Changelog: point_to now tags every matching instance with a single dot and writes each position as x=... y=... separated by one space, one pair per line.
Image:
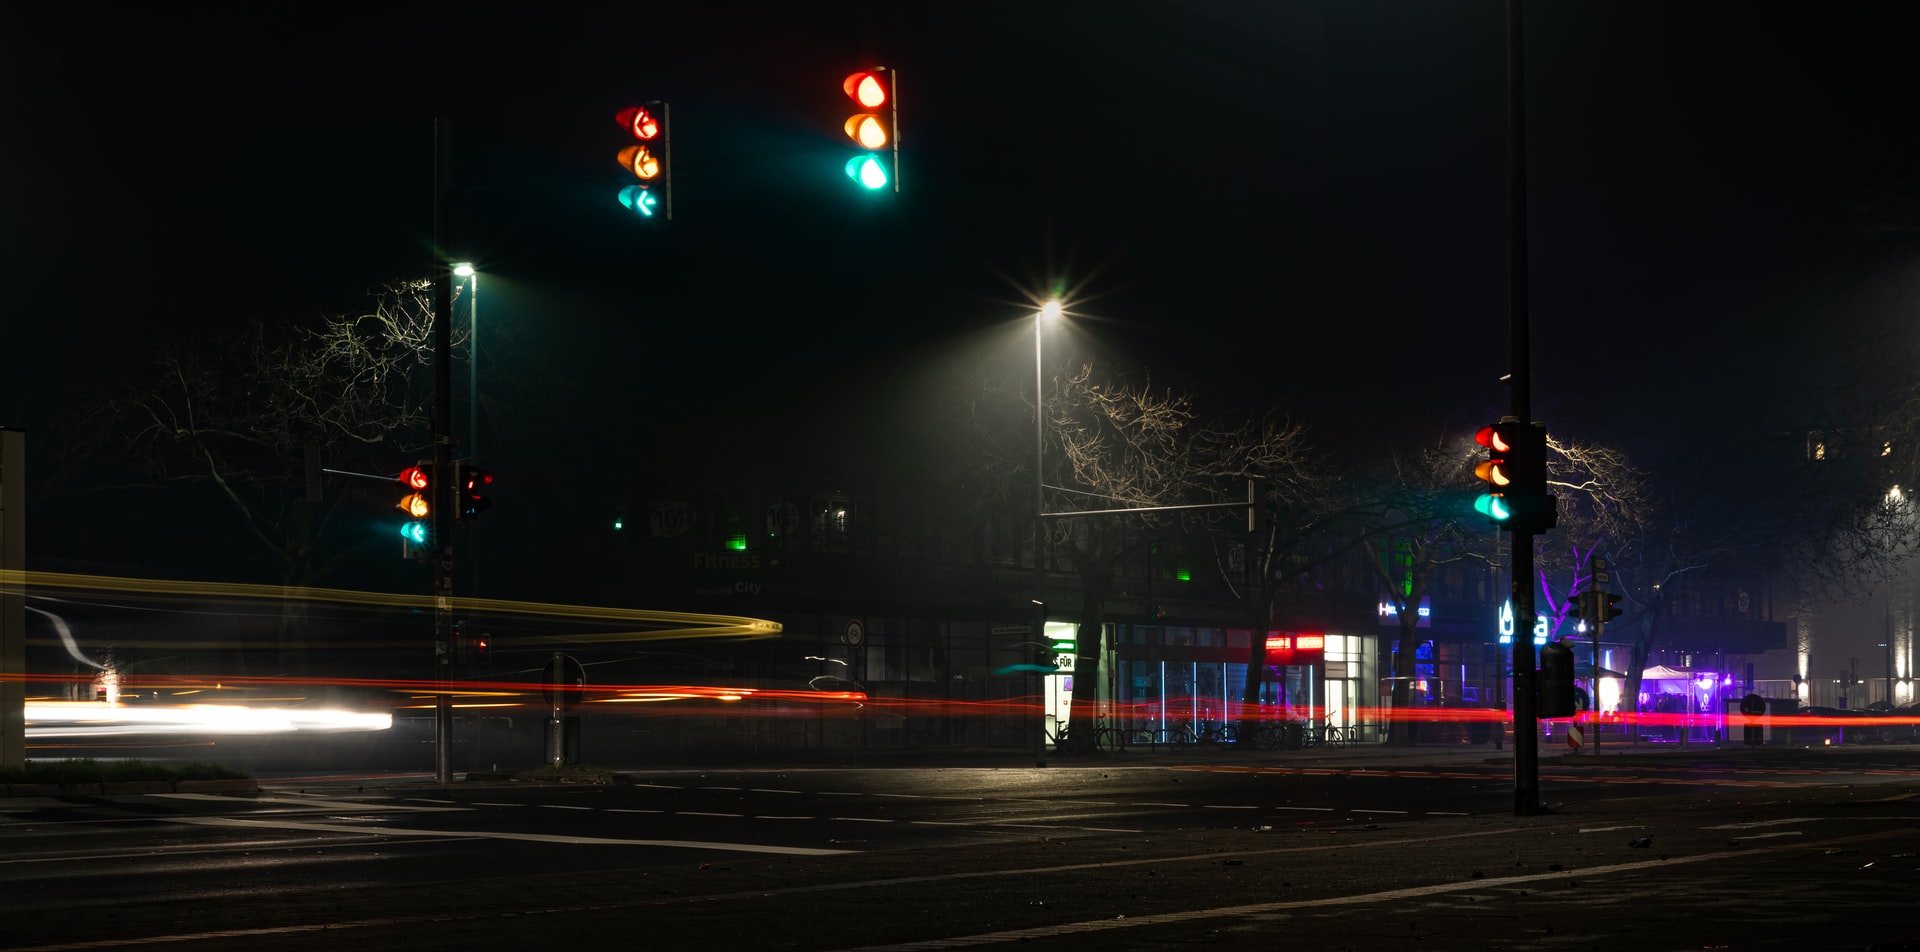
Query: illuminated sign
x=1296 y=649
x=1391 y=612
x=1540 y=627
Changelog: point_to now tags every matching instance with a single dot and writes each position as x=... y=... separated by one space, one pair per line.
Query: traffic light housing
x=1554 y=689
x=470 y=491
x=875 y=128
x=1533 y=509
x=648 y=158
x=1606 y=606
x=416 y=484
x=1515 y=472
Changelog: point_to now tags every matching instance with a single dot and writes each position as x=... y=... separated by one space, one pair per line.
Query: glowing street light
x=1048 y=313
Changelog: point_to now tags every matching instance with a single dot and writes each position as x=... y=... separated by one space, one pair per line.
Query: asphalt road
x=1370 y=849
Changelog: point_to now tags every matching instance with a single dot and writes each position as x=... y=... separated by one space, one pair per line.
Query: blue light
x=414 y=532
x=639 y=198
x=868 y=171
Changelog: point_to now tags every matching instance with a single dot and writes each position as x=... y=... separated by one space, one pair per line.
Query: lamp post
x=465 y=270
x=1048 y=312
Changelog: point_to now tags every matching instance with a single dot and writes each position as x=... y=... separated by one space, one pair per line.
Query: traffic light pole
x=1526 y=725
x=442 y=489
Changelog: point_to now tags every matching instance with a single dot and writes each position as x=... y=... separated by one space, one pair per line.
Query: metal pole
x=473 y=366
x=441 y=492
x=473 y=436
x=1039 y=568
x=13 y=598
x=1526 y=726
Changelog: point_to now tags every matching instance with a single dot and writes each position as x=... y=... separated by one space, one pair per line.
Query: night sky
x=1300 y=206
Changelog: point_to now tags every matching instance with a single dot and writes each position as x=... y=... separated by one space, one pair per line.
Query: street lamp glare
x=1050 y=310
x=463 y=270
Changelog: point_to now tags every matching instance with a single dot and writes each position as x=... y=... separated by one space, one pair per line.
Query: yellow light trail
x=681 y=624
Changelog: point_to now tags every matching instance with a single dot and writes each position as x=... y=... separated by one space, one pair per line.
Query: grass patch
x=88 y=770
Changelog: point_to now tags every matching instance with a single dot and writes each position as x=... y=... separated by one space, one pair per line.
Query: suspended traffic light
x=648 y=157
x=470 y=484
x=1496 y=471
x=875 y=128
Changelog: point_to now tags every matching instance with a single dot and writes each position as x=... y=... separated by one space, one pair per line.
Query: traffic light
x=1497 y=471
x=1554 y=690
x=647 y=157
x=1607 y=606
x=470 y=484
x=416 y=482
x=875 y=128
x=1515 y=471
x=1533 y=510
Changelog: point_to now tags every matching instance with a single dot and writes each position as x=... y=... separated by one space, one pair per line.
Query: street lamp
x=1048 y=313
x=465 y=270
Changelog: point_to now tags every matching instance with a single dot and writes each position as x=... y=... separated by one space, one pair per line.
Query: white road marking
x=281 y=824
x=339 y=806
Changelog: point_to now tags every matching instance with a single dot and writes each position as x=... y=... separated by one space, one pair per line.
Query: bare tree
x=1127 y=446
x=1109 y=444
x=254 y=416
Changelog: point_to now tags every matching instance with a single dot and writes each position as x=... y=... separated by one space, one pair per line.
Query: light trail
x=679 y=624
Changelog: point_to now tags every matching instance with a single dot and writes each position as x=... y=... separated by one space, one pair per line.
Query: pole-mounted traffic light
x=875 y=128
x=470 y=485
x=416 y=482
x=1533 y=510
x=1607 y=607
x=1515 y=472
x=649 y=158
x=1555 y=688
x=1497 y=471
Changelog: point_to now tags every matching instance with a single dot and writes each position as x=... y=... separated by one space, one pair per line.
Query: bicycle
x=1198 y=733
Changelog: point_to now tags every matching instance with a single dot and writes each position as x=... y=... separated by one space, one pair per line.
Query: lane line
x=237 y=823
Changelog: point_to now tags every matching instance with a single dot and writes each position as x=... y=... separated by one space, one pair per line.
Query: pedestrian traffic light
x=874 y=128
x=470 y=485
x=1554 y=690
x=648 y=157
x=1496 y=470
